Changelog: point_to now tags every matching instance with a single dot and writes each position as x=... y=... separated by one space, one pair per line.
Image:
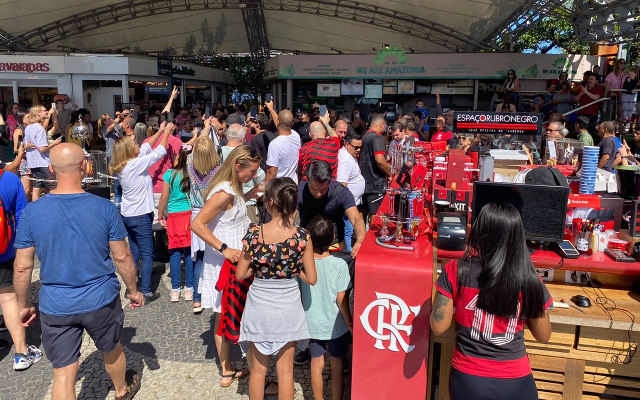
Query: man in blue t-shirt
x=13 y=202
x=72 y=232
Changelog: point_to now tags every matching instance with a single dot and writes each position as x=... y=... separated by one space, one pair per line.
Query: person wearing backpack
x=12 y=201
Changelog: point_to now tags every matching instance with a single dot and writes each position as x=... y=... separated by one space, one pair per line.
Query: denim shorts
x=338 y=347
x=62 y=334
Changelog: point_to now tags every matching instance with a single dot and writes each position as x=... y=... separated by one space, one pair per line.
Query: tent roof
x=190 y=27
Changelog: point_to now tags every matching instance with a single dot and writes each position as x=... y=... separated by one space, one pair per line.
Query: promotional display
x=477 y=122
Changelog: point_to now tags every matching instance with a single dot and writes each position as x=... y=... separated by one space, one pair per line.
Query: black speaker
x=634 y=221
x=103 y=192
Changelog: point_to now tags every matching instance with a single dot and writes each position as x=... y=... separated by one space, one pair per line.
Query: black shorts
x=40 y=173
x=372 y=202
x=6 y=273
x=464 y=386
x=62 y=335
x=338 y=347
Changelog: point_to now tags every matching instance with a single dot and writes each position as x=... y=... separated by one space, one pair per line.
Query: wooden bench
x=558 y=378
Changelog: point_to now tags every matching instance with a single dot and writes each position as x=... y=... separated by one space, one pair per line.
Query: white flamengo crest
x=399 y=314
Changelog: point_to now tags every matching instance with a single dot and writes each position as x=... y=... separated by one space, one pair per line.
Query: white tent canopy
x=190 y=27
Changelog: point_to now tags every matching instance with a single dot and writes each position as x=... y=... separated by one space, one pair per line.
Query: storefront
x=468 y=81
x=105 y=83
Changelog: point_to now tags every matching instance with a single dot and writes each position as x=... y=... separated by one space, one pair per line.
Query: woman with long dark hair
x=511 y=87
x=175 y=201
x=495 y=291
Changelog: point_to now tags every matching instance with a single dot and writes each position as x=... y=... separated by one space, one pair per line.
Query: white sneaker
x=24 y=361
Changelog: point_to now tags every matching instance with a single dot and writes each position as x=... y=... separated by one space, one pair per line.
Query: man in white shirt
x=397 y=130
x=282 y=156
x=349 y=175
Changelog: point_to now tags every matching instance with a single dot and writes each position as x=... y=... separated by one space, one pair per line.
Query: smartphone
x=357 y=114
x=53 y=105
x=565 y=249
x=207 y=109
x=323 y=110
x=267 y=98
x=254 y=111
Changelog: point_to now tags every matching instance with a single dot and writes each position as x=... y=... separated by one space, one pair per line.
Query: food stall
x=591 y=353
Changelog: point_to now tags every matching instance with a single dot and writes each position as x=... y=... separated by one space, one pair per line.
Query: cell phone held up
x=323 y=110
x=167 y=117
x=268 y=98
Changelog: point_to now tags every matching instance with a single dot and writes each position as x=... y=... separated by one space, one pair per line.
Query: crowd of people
x=267 y=212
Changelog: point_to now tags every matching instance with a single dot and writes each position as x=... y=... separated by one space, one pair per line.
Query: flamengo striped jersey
x=486 y=345
x=320 y=149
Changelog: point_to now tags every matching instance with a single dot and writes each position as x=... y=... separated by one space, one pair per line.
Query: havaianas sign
x=390 y=56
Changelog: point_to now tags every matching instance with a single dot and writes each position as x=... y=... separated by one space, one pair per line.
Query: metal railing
x=600 y=100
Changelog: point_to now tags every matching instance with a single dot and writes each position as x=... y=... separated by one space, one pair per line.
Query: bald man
x=320 y=147
x=283 y=152
x=79 y=288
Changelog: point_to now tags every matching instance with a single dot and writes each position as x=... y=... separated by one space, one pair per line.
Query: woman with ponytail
x=275 y=254
x=221 y=224
x=495 y=291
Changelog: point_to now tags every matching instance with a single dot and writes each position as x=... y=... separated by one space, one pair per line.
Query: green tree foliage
x=552 y=32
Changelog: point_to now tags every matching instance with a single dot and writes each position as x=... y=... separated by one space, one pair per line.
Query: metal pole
x=15 y=92
x=475 y=94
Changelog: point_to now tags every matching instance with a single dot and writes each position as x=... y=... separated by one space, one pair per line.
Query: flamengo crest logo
x=389 y=331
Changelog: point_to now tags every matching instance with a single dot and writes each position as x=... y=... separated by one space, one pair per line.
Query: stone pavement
x=171 y=348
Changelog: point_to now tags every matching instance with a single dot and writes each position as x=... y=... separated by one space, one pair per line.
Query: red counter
x=392 y=306
x=598 y=262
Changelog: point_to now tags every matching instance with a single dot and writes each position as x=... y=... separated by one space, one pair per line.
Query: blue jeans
x=174 y=267
x=117 y=193
x=348 y=232
x=141 y=245
x=197 y=270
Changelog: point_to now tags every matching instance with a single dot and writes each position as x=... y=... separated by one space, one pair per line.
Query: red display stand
x=392 y=307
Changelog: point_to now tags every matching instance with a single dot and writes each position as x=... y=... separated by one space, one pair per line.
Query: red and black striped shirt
x=320 y=149
x=486 y=345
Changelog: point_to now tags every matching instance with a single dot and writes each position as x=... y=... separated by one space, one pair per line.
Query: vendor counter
x=392 y=306
x=591 y=352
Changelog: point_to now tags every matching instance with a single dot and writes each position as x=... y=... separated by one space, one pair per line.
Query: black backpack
x=546 y=176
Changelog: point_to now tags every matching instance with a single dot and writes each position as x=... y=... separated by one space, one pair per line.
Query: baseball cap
x=300 y=111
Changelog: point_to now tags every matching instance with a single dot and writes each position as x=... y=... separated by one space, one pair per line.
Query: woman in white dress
x=221 y=224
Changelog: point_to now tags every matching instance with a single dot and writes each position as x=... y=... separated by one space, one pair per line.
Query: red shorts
x=178 y=229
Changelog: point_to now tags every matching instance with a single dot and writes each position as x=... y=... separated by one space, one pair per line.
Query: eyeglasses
x=354 y=147
x=553 y=130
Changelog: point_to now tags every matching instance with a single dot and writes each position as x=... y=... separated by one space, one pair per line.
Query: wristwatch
x=223 y=247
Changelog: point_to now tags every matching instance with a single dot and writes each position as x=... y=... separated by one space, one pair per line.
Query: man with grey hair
x=235 y=138
x=128 y=126
x=320 y=147
x=235 y=135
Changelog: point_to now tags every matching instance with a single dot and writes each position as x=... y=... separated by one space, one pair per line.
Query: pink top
x=616 y=82
x=158 y=169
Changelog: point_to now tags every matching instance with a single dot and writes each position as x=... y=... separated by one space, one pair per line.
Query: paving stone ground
x=171 y=348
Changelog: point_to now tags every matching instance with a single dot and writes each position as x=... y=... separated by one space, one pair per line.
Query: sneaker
x=175 y=295
x=188 y=294
x=302 y=357
x=151 y=296
x=24 y=361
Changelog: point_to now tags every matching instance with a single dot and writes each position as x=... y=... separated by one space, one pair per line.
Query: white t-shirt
x=283 y=153
x=184 y=134
x=36 y=134
x=349 y=173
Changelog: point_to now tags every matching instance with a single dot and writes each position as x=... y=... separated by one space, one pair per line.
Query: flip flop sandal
x=133 y=385
x=234 y=377
x=267 y=384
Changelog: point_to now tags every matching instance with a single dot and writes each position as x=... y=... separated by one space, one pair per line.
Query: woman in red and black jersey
x=495 y=291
